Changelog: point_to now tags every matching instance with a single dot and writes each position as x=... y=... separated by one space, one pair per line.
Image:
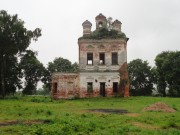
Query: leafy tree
x=161 y=84
x=168 y=72
x=60 y=65
x=12 y=75
x=32 y=71
x=141 y=78
x=14 y=39
x=75 y=67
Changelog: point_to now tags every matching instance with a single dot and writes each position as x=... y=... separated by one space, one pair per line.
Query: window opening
x=89 y=58
x=89 y=87
x=114 y=59
x=101 y=58
x=100 y=25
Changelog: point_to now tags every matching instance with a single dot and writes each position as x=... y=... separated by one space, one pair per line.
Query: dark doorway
x=102 y=89
x=115 y=87
x=55 y=87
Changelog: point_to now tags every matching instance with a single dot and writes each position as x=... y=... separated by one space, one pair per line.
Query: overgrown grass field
x=36 y=115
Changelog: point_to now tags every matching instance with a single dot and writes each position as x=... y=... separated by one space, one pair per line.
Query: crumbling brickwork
x=65 y=85
x=102 y=65
x=124 y=81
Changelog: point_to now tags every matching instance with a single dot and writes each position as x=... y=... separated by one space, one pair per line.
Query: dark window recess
x=90 y=58
x=114 y=59
x=101 y=58
x=55 y=87
x=115 y=87
x=89 y=87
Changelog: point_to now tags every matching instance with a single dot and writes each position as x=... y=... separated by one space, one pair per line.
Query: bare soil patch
x=31 y=122
x=159 y=106
x=28 y=122
x=8 y=123
x=119 y=111
x=146 y=126
x=133 y=114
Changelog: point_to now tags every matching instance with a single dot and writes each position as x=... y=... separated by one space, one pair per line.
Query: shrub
x=49 y=112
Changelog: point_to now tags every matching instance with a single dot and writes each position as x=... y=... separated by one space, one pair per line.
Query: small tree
x=109 y=23
x=32 y=71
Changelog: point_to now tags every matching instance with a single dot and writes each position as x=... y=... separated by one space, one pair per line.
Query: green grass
x=73 y=116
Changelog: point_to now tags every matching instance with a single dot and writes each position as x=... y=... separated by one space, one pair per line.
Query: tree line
x=20 y=68
x=162 y=79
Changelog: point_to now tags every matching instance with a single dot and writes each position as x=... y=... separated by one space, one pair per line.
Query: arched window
x=100 y=24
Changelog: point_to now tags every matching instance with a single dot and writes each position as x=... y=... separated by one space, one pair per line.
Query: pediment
x=90 y=47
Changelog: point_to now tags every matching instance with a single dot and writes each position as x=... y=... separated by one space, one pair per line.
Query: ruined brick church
x=102 y=64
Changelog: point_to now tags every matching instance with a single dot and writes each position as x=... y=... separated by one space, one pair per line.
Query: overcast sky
x=153 y=26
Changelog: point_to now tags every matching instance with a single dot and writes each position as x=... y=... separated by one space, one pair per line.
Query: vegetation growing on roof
x=103 y=33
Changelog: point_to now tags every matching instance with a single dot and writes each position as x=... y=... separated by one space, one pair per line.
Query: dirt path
x=27 y=122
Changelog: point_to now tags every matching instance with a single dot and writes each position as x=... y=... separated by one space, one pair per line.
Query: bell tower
x=100 y=21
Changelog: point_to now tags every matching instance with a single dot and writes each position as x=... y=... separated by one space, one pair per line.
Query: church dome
x=86 y=23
